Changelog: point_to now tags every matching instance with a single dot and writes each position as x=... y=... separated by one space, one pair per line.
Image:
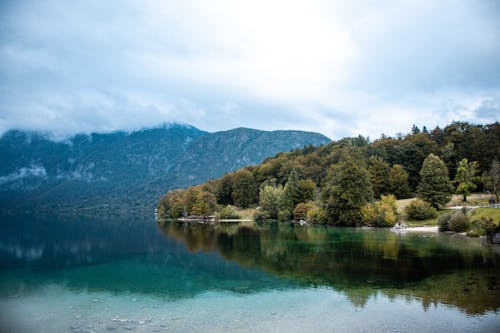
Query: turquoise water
x=122 y=275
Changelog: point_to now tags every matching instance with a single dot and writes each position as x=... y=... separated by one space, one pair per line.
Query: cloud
x=331 y=66
x=25 y=172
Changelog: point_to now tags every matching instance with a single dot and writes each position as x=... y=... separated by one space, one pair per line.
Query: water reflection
x=117 y=255
x=429 y=268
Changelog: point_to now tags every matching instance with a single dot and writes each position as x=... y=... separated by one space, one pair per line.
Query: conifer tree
x=379 y=175
x=435 y=186
x=348 y=192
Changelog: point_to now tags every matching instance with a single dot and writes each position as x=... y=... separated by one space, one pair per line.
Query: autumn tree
x=435 y=186
x=205 y=204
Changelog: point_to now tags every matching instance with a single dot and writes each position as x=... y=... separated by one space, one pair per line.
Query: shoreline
x=424 y=229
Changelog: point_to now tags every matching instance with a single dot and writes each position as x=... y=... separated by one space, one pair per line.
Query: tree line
x=353 y=180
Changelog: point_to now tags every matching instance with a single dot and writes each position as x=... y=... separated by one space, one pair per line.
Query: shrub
x=316 y=215
x=261 y=215
x=459 y=222
x=300 y=212
x=420 y=210
x=284 y=215
x=489 y=227
x=229 y=212
x=443 y=222
x=382 y=213
x=473 y=233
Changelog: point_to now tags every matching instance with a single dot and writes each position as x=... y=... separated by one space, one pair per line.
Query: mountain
x=123 y=172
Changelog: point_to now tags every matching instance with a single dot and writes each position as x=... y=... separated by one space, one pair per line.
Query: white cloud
x=332 y=66
x=25 y=172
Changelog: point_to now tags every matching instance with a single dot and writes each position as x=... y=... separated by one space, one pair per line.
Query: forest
x=353 y=181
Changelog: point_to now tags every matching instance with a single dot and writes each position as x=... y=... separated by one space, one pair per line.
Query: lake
x=82 y=274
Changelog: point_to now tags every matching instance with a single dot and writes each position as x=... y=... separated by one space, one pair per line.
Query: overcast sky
x=340 y=68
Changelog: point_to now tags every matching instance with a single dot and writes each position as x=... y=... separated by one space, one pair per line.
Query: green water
x=121 y=275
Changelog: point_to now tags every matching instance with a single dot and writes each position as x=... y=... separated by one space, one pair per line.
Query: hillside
x=338 y=182
x=123 y=172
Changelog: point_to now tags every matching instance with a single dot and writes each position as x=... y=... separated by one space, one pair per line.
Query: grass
x=429 y=222
x=478 y=213
x=247 y=213
x=472 y=200
x=403 y=203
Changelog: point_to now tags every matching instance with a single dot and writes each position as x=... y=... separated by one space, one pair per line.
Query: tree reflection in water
x=428 y=268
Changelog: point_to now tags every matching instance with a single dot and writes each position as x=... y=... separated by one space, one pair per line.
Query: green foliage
x=413 y=160
x=301 y=210
x=292 y=190
x=229 y=213
x=379 y=175
x=443 y=222
x=316 y=215
x=489 y=227
x=492 y=178
x=382 y=213
x=459 y=222
x=420 y=210
x=466 y=177
x=272 y=200
x=225 y=190
x=205 y=204
x=261 y=215
x=244 y=192
x=347 y=193
x=284 y=215
x=307 y=190
x=398 y=182
x=435 y=186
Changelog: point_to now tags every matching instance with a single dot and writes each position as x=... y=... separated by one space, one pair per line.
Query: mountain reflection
x=428 y=268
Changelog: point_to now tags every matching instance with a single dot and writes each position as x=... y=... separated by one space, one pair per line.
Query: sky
x=341 y=68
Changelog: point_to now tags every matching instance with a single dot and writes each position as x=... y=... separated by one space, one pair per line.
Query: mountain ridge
x=123 y=171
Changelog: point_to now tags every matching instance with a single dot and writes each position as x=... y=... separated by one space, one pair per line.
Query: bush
x=261 y=215
x=489 y=227
x=443 y=222
x=459 y=222
x=382 y=213
x=301 y=210
x=316 y=215
x=284 y=215
x=229 y=212
x=420 y=210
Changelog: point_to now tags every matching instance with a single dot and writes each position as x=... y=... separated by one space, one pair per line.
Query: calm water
x=96 y=275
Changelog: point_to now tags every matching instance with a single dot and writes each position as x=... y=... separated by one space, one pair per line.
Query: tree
x=224 y=190
x=379 y=175
x=435 y=186
x=347 y=193
x=244 y=189
x=205 y=204
x=398 y=182
x=465 y=177
x=301 y=210
x=271 y=199
x=382 y=213
x=307 y=190
x=493 y=178
x=292 y=190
